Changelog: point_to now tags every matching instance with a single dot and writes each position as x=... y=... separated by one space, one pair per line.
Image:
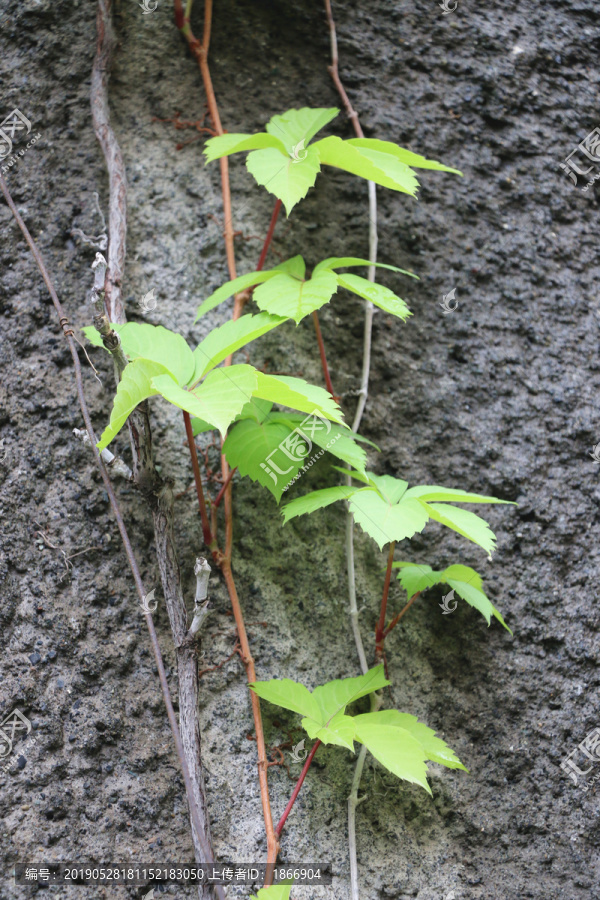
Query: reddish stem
x=206 y=530
x=269 y=237
x=397 y=618
x=324 y=365
x=296 y=790
x=380 y=632
x=219 y=496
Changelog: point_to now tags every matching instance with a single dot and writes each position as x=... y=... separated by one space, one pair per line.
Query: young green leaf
x=430 y=493
x=286 y=296
x=339 y=262
x=275 y=892
x=465 y=522
x=255 y=409
x=287 y=178
x=335 y=696
x=310 y=503
x=220 y=397
x=394 y=748
x=463 y=580
x=290 y=695
x=378 y=294
x=414 y=160
x=152 y=342
x=300 y=125
x=227 y=290
x=390 y=172
x=435 y=748
x=226 y=144
x=134 y=387
x=221 y=342
x=339 y=730
x=385 y=521
x=297 y=394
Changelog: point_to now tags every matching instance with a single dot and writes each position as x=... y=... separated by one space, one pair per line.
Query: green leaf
x=392 y=489
x=275 y=892
x=287 y=178
x=199 y=426
x=254 y=447
x=335 y=696
x=435 y=748
x=338 y=731
x=255 y=409
x=221 y=342
x=297 y=394
x=430 y=492
x=226 y=144
x=338 y=262
x=286 y=296
x=395 y=748
x=385 y=522
x=338 y=441
x=230 y=288
x=153 y=342
x=134 y=387
x=414 y=160
x=300 y=125
x=464 y=522
x=464 y=581
x=341 y=154
x=378 y=294
x=295 y=266
x=218 y=400
x=315 y=500
x=290 y=695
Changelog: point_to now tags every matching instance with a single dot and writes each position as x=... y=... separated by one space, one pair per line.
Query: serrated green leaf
x=395 y=748
x=414 y=160
x=286 y=296
x=218 y=400
x=339 y=262
x=290 y=695
x=297 y=394
x=227 y=290
x=295 y=267
x=255 y=449
x=93 y=335
x=465 y=522
x=300 y=125
x=339 y=731
x=275 y=892
x=435 y=748
x=335 y=696
x=153 y=342
x=221 y=342
x=392 y=489
x=385 y=522
x=287 y=178
x=226 y=144
x=315 y=500
x=378 y=294
x=134 y=387
x=464 y=580
x=430 y=493
x=333 y=151
x=255 y=409
x=199 y=426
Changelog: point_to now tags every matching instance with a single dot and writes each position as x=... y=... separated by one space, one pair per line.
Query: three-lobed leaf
x=463 y=580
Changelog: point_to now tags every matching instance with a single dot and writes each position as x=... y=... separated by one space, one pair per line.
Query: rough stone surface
x=499 y=397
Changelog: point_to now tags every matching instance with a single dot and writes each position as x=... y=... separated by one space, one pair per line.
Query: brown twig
x=324 y=365
x=114 y=162
x=200 y=53
x=296 y=791
x=200 y=832
x=404 y=610
x=380 y=631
